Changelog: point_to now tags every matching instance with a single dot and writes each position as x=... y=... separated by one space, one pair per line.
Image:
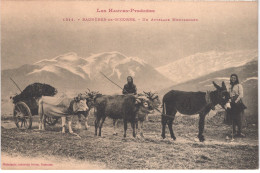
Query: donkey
x=191 y=103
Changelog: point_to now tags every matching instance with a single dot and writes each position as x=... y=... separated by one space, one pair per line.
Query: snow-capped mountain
x=200 y=64
x=88 y=68
x=69 y=71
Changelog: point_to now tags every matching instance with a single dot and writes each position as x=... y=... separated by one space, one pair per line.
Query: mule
x=190 y=103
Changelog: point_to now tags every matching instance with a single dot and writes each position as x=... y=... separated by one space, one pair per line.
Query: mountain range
x=201 y=64
x=70 y=72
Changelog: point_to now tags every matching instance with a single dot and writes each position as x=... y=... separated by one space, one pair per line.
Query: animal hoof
x=174 y=138
x=240 y=135
x=163 y=136
x=78 y=126
x=201 y=138
x=115 y=134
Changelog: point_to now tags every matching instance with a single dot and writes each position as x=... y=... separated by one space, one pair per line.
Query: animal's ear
x=137 y=101
x=156 y=97
x=215 y=85
x=224 y=85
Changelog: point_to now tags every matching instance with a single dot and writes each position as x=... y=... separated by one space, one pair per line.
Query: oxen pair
x=130 y=108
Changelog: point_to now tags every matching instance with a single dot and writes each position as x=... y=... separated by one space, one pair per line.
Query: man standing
x=130 y=87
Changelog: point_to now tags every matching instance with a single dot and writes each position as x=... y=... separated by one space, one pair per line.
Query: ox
x=142 y=113
x=118 y=107
x=60 y=107
x=90 y=97
x=191 y=103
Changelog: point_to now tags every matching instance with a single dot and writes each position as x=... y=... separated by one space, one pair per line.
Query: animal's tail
x=41 y=114
x=164 y=108
x=40 y=108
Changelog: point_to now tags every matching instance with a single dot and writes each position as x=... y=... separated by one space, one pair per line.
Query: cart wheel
x=22 y=116
x=51 y=120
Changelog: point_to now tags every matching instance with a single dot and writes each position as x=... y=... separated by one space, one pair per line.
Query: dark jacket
x=129 y=89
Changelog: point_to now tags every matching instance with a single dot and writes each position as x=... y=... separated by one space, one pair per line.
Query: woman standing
x=237 y=106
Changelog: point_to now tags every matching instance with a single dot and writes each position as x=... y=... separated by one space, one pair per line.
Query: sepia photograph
x=129 y=85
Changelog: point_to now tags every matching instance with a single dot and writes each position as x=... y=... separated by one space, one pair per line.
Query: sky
x=31 y=31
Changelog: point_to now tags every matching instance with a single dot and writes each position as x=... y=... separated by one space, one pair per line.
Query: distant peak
x=67 y=56
x=108 y=53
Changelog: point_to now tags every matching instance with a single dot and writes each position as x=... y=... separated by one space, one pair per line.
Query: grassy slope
x=150 y=152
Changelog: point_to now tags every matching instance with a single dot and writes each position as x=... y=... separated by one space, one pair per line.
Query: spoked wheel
x=51 y=120
x=22 y=116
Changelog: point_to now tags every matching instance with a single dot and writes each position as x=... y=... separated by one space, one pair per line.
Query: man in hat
x=130 y=87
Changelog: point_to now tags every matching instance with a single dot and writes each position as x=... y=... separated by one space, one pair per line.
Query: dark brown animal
x=191 y=103
x=118 y=107
x=142 y=113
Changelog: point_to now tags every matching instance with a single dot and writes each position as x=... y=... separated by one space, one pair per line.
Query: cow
x=191 y=103
x=90 y=97
x=118 y=107
x=63 y=107
x=142 y=113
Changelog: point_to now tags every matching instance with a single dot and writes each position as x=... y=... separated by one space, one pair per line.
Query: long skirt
x=236 y=116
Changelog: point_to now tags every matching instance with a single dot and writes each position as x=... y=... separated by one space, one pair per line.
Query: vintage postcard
x=139 y=85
